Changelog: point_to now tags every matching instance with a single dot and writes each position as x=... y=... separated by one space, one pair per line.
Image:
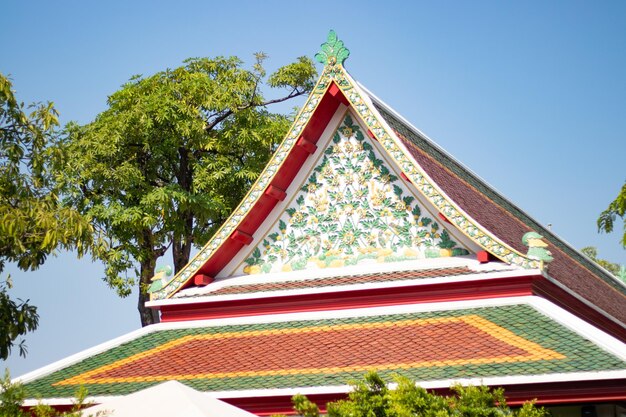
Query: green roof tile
x=581 y=355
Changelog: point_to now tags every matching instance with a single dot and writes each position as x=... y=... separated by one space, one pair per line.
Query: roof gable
x=352 y=207
x=334 y=88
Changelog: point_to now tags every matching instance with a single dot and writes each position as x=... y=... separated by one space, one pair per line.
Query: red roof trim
x=426 y=293
x=348 y=299
x=282 y=179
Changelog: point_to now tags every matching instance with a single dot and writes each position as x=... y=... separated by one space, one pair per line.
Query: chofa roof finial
x=333 y=52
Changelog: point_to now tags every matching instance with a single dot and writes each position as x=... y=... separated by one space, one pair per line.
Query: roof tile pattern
x=389 y=344
x=341 y=281
x=506 y=221
x=510 y=340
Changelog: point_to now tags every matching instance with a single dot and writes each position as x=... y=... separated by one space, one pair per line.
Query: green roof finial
x=537 y=248
x=333 y=52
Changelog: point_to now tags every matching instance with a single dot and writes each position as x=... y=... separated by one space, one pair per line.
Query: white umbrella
x=169 y=399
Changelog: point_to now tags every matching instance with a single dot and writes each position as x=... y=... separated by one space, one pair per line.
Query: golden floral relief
x=351 y=210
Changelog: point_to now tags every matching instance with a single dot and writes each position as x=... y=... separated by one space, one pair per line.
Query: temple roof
x=525 y=337
x=346 y=138
x=363 y=245
x=505 y=219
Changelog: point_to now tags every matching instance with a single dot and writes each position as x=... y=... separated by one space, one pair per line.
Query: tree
x=33 y=222
x=371 y=397
x=17 y=318
x=615 y=209
x=592 y=253
x=170 y=158
x=616 y=269
x=12 y=396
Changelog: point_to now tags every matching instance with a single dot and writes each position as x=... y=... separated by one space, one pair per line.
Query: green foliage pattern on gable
x=352 y=209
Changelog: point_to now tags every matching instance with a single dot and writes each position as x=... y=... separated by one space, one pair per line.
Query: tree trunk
x=181 y=252
x=148 y=316
x=181 y=244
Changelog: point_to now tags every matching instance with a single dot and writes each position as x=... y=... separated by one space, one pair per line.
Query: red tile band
x=324 y=349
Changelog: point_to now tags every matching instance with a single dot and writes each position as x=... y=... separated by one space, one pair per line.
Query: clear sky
x=530 y=95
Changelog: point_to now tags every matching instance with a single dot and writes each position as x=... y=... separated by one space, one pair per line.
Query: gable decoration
x=336 y=80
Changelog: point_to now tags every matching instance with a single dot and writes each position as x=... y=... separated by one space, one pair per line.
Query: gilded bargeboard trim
x=337 y=74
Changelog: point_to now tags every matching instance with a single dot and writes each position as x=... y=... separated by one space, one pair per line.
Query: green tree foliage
x=616 y=269
x=371 y=397
x=17 y=318
x=12 y=396
x=33 y=223
x=170 y=159
x=617 y=208
x=592 y=253
x=77 y=409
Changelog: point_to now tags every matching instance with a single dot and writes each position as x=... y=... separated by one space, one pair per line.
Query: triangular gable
x=350 y=206
x=334 y=88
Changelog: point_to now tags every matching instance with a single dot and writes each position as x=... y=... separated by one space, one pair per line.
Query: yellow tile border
x=534 y=352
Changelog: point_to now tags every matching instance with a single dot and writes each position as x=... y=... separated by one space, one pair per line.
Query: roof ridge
x=526 y=218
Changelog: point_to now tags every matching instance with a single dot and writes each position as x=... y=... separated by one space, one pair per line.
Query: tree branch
x=294 y=93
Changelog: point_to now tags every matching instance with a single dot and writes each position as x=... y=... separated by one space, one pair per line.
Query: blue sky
x=530 y=95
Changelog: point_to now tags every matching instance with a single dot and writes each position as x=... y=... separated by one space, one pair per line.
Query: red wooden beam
x=335 y=92
x=404 y=177
x=281 y=404
x=275 y=192
x=483 y=256
x=340 y=300
x=443 y=218
x=202 y=280
x=371 y=135
x=241 y=237
x=307 y=145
